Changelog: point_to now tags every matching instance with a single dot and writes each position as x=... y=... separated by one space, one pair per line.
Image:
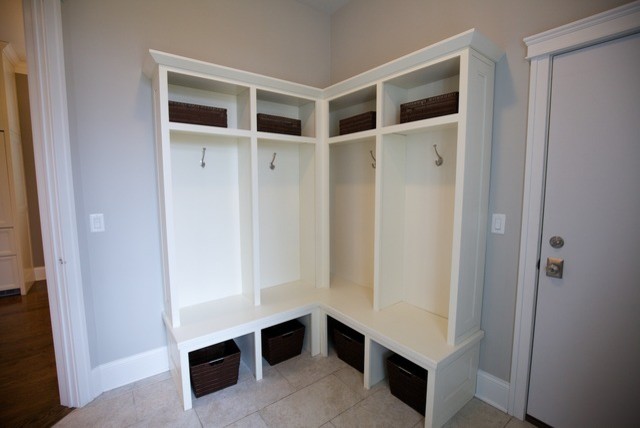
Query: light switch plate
x=497 y=223
x=96 y=222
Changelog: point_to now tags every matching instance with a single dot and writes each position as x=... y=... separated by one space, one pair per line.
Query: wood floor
x=28 y=382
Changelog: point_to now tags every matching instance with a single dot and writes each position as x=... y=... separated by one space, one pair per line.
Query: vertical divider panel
x=315 y=331
x=257 y=354
x=248 y=345
x=163 y=160
x=323 y=256
x=308 y=117
x=255 y=206
x=323 y=335
x=245 y=184
x=308 y=213
x=244 y=108
x=474 y=190
x=377 y=220
x=375 y=368
x=458 y=209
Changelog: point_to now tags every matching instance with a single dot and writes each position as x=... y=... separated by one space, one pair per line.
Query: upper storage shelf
x=442 y=77
x=289 y=106
x=205 y=91
x=241 y=94
x=350 y=105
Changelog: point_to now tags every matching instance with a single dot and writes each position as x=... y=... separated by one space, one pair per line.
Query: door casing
x=541 y=48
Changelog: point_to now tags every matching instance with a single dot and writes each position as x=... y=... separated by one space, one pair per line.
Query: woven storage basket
x=349 y=345
x=408 y=382
x=283 y=341
x=357 y=123
x=426 y=108
x=279 y=124
x=214 y=367
x=197 y=114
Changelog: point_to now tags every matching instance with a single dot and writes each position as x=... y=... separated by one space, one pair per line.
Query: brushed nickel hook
x=374 y=159
x=202 y=163
x=439 y=161
x=272 y=164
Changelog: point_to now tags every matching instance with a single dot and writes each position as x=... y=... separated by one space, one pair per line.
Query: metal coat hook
x=374 y=159
x=439 y=161
x=202 y=163
x=272 y=164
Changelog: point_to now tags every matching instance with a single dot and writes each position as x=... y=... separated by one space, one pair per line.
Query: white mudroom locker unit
x=382 y=229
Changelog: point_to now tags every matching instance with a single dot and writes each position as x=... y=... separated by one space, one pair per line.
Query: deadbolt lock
x=554 y=267
x=556 y=242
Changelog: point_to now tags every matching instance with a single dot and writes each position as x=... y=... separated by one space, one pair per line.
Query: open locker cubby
x=285 y=105
x=210 y=178
x=287 y=213
x=352 y=210
x=426 y=81
x=343 y=107
x=197 y=89
x=417 y=206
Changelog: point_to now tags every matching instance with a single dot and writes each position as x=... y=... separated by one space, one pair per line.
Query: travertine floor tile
x=302 y=392
x=517 y=423
x=304 y=369
x=355 y=380
x=380 y=409
x=252 y=421
x=312 y=406
x=477 y=414
x=115 y=412
x=234 y=403
x=158 y=400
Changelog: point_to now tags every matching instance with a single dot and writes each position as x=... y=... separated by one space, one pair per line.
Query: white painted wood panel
x=280 y=208
x=352 y=205
x=429 y=198
x=9 y=273
x=7 y=242
x=206 y=207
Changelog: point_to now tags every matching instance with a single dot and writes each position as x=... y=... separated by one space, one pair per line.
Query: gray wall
x=112 y=131
x=111 y=126
x=367 y=33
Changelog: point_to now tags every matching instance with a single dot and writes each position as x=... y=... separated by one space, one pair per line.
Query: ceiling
x=326 y=6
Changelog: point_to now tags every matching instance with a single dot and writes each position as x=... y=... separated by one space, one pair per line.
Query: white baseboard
x=492 y=390
x=39 y=273
x=131 y=369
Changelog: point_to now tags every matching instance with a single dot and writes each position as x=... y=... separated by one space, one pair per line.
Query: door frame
x=56 y=197
x=541 y=49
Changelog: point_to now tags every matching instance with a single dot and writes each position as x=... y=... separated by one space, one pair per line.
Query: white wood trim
x=131 y=369
x=492 y=390
x=47 y=88
x=470 y=38
x=542 y=47
x=39 y=273
x=598 y=28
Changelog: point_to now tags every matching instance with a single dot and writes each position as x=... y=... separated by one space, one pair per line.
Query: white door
x=585 y=364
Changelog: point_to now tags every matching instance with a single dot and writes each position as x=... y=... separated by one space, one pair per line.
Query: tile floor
x=302 y=392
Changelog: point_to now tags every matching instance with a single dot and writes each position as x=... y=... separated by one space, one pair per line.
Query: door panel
x=585 y=367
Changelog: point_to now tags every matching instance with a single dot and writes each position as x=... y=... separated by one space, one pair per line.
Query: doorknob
x=554 y=267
